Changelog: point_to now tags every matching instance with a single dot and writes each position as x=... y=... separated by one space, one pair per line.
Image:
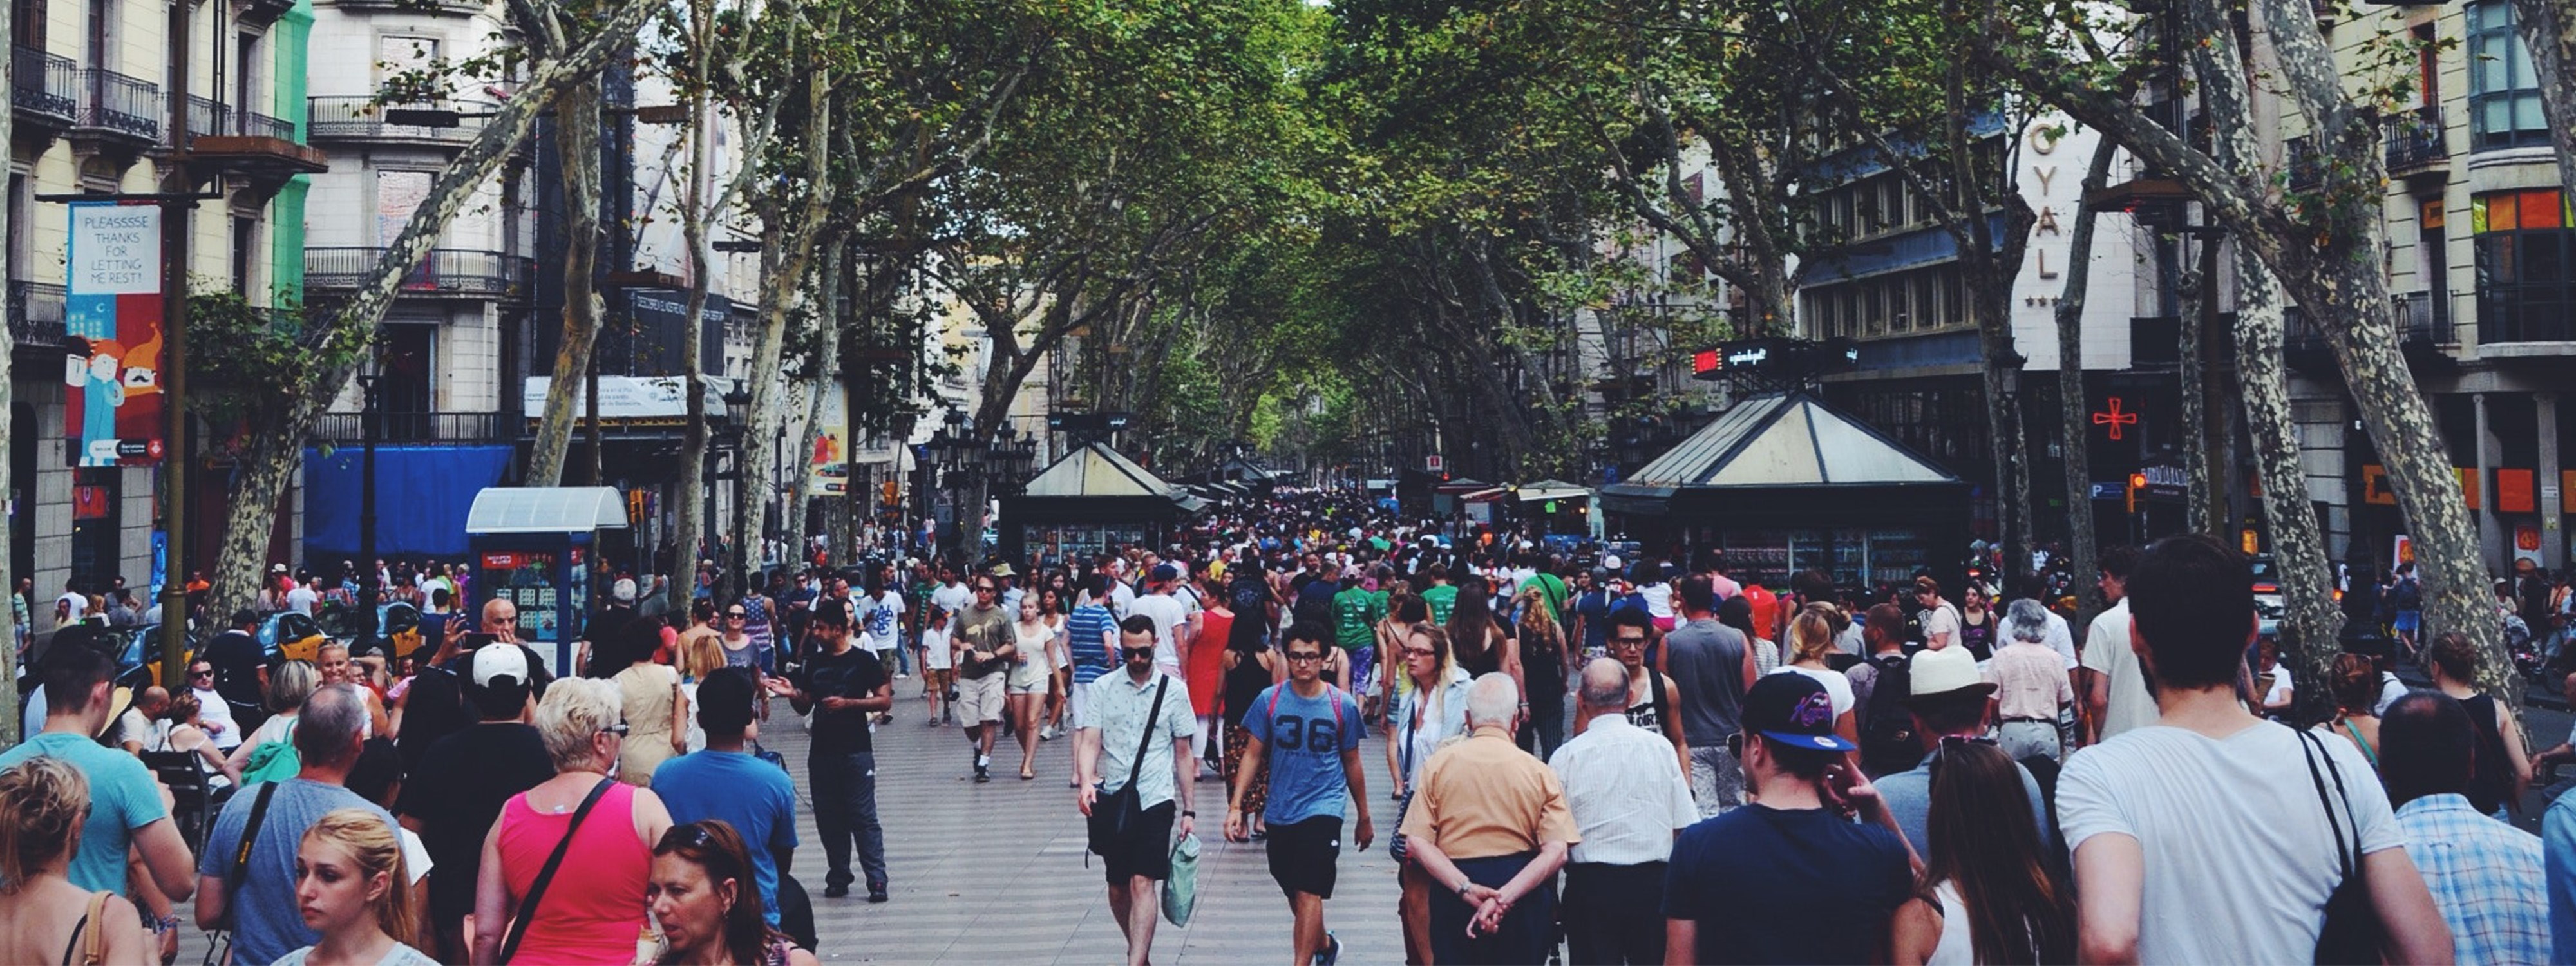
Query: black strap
x=537 y=890
x=1146 y=739
x=2310 y=749
x=241 y=853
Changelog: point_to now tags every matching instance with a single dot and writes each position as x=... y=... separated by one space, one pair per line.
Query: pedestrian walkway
x=995 y=873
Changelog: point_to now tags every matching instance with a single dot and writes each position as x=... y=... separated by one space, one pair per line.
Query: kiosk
x=535 y=546
x=1783 y=483
x=1092 y=500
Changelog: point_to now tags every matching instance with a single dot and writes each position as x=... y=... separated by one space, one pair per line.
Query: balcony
x=2526 y=319
x=2424 y=321
x=2424 y=332
x=446 y=272
x=36 y=316
x=361 y=119
x=245 y=141
x=412 y=429
x=2415 y=144
x=44 y=88
x=121 y=107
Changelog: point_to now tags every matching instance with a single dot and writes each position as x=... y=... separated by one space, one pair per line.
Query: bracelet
x=1462 y=887
x=1188 y=813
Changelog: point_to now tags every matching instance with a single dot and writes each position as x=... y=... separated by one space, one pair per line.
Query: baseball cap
x=1163 y=572
x=1945 y=672
x=1795 y=710
x=500 y=660
x=623 y=590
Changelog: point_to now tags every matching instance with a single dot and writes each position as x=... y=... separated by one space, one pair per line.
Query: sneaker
x=983 y=774
x=932 y=721
x=1047 y=733
x=878 y=894
x=1332 y=950
x=836 y=890
x=900 y=676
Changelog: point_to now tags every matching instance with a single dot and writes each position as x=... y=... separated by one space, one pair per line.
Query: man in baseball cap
x=1951 y=701
x=1789 y=877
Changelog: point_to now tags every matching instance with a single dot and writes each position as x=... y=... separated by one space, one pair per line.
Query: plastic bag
x=1181 y=888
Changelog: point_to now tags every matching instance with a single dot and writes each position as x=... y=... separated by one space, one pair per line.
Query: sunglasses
x=202 y=673
x=984 y=588
x=734 y=615
x=1421 y=652
x=618 y=729
x=1137 y=651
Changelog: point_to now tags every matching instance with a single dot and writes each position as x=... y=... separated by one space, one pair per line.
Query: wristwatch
x=1463 y=885
x=1189 y=813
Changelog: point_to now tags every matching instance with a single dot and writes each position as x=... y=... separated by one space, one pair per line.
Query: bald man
x=435 y=705
x=1628 y=797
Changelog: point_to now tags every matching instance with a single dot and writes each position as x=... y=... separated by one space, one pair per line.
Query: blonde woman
x=1433 y=712
x=288 y=686
x=698 y=655
x=1545 y=665
x=596 y=914
x=349 y=876
x=1811 y=638
x=44 y=918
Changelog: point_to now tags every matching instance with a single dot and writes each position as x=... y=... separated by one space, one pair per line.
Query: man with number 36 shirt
x=1309 y=732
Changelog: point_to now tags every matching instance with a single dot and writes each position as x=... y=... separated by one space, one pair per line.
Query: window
x=2504 y=94
x=2526 y=266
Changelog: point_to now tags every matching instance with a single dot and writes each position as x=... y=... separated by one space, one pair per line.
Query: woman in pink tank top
x=592 y=911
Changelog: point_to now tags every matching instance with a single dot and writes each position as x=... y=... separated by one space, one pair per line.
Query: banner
x=112 y=324
x=830 y=462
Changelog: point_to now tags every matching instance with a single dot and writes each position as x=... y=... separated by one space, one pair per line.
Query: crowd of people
x=1607 y=760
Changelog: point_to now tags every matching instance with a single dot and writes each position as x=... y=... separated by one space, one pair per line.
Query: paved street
x=994 y=873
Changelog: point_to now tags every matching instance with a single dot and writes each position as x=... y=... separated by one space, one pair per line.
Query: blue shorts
x=2409 y=621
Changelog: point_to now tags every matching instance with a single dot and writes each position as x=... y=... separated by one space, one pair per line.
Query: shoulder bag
x=220 y=950
x=527 y=911
x=2352 y=932
x=89 y=939
x=1126 y=808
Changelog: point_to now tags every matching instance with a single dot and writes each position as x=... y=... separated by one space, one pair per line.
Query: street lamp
x=371 y=429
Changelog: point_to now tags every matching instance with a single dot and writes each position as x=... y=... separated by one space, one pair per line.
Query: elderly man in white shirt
x=1628 y=797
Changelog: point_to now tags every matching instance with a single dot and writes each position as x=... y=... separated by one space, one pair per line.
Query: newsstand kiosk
x=534 y=546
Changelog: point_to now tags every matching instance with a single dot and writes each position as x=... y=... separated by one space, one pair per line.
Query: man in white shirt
x=952 y=595
x=2203 y=836
x=1628 y=797
x=2115 y=694
x=1171 y=618
x=69 y=607
x=305 y=596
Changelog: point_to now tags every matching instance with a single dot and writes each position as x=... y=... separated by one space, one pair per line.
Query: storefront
x=1784 y=483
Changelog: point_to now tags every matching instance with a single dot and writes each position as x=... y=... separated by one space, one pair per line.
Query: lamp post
x=371 y=429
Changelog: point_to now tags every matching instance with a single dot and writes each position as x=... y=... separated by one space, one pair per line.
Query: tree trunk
x=788 y=249
x=2548 y=29
x=2074 y=431
x=9 y=642
x=577 y=128
x=825 y=363
x=2191 y=360
x=270 y=455
x=2311 y=632
x=693 y=232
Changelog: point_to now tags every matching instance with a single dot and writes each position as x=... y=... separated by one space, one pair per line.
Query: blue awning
x=422 y=495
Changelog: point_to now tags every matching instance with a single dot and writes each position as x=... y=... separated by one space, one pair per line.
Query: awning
x=1487 y=495
x=1552 y=489
x=546 y=509
x=423 y=495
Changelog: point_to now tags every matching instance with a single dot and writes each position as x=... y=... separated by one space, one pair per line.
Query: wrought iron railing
x=2526 y=312
x=361 y=118
x=2415 y=138
x=43 y=83
x=115 y=102
x=209 y=118
x=36 y=314
x=2307 y=166
x=2424 y=319
x=412 y=428
x=446 y=271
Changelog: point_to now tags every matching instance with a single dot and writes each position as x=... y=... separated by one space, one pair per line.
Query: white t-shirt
x=1122 y=599
x=2280 y=693
x=2060 y=639
x=301 y=600
x=1837 y=686
x=1941 y=624
x=1167 y=612
x=2391 y=689
x=884 y=622
x=74 y=607
x=952 y=598
x=2106 y=652
x=2239 y=859
x=1659 y=599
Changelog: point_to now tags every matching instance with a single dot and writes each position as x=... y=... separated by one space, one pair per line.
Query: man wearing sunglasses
x=986 y=648
x=1310 y=733
x=1139 y=709
x=842 y=686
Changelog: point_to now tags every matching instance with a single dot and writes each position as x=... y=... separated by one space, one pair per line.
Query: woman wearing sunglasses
x=591 y=910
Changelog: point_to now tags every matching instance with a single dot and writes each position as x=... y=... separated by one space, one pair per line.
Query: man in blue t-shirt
x=725 y=782
x=1787 y=878
x=1309 y=731
x=1091 y=633
x=266 y=918
x=124 y=802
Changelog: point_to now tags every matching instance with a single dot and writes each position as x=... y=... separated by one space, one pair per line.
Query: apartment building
x=91 y=98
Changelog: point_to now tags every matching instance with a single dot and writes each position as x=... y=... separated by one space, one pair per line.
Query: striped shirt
x=1086 y=632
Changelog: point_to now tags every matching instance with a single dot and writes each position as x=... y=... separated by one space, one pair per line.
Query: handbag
x=220 y=950
x=1125 y=807
x=1181 y=888
x=1395 y=844
x=2352 y=931
x=527 y=911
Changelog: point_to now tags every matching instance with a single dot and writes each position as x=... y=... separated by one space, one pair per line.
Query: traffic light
x=889 y=494
x=2137 y=481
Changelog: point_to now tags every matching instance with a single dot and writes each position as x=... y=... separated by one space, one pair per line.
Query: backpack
x=1887 y=743
x=273 y=761
x=2407 y=595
